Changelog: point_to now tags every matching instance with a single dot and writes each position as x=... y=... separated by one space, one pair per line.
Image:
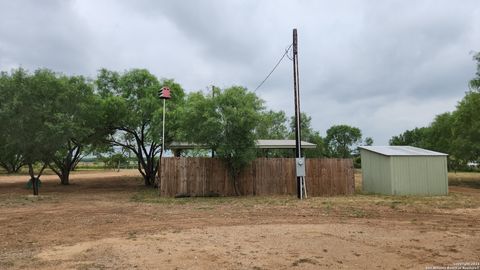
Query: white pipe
x=163 y=129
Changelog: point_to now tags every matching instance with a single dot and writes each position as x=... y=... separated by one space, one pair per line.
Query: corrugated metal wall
x=419 y=175
x=376 y=174
x=404 y=175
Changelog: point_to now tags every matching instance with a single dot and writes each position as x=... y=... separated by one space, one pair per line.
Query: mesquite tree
x=224 y=121
x=133 y=112
x=47 y=118
x=38 y=127
x=82 y=124
x=10 y=159
x=342 y=139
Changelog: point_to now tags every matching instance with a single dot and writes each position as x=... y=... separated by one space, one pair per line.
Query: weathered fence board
x=265 y=176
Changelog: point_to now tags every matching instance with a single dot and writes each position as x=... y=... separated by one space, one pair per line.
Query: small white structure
x=403 y=170
x=260 y=144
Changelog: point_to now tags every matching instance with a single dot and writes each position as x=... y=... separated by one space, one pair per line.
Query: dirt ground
x=108 y=220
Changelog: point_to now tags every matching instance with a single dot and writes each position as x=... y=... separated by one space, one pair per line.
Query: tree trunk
x=12 y=167
x=147 y=181
x=35 y=185
x=148 y=169
x=234 y=176
x=17 y=169
x=145 y=153
x=235 y=186
x=35 y=180
x=149 y=175
x=65 y=178
x=62 y=171
x=18 y=164
x=10 y=170
x=62 y=166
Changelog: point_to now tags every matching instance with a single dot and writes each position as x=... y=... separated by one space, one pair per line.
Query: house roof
x=401 y=151
x=261 y=144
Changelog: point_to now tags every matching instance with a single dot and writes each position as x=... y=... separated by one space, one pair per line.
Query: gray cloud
x=382 y=66
x=37 y=34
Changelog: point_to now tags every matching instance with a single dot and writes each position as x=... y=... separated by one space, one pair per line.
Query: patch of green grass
x=356 y=212
x=328 y=206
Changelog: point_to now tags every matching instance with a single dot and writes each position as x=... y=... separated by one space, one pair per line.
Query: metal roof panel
x=401 y=151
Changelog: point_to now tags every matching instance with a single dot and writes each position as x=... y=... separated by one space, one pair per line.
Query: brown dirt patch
x=109 y=220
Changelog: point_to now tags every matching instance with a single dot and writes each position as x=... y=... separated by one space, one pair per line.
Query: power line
x=288 y=50
x=278 y=63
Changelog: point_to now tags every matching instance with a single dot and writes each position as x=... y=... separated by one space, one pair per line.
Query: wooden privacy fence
x=265 y=176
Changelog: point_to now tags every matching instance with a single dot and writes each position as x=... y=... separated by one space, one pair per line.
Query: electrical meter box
x=300 y=164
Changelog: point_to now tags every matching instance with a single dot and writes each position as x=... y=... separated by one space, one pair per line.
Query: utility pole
x=300 y=163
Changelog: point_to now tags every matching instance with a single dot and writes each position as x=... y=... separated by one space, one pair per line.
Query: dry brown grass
x=464 y=179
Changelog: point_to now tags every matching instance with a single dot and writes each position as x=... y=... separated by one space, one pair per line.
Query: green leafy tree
x=465 y=143
x=39 y=125
x=201 y=120
x=319 y=150
x=113 y=159
x=438 y=136
x=272 y=125
x=440 y=133
x=442 y=139
x=357 y=159
x=81 y=123
x=467 y=127
x=342 y=139
x=417 y=137
x=70 y=113
x=10 y=158
x=475 y=82
x=308 y=134
x=305 y=126
x=133 y=113
x=224 y=121
x=368 y=141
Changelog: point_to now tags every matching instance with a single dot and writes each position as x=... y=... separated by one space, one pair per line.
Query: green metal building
x=403 y=170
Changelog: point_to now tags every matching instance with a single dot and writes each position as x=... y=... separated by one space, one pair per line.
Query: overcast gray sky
x=383 y=66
